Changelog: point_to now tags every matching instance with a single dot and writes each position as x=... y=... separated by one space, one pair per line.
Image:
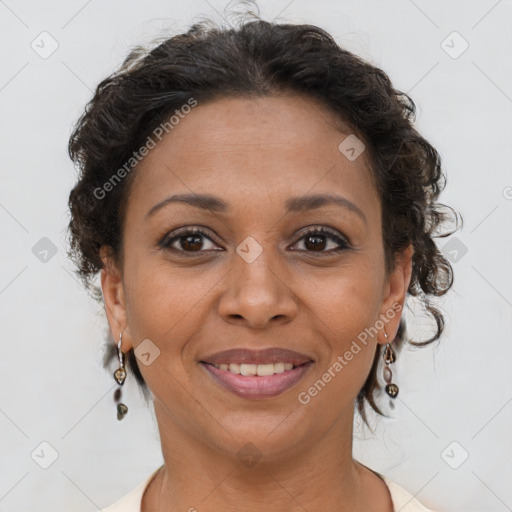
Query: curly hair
x=260 y=58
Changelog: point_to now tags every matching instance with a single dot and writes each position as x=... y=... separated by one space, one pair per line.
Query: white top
x=402 y=500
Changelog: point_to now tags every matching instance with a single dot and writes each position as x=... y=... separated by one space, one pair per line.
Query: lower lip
x=258 y=387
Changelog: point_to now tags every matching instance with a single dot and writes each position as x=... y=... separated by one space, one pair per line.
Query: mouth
x=257 y=374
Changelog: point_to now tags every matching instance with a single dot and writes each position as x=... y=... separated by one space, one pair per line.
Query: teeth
x=278 y=367
x=234 y=368
x=261 y=370
x=249 y=369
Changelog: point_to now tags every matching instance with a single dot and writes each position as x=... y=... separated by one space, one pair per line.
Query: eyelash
x=166 y=242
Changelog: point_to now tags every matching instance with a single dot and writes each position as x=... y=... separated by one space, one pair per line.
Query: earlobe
x=114 y=300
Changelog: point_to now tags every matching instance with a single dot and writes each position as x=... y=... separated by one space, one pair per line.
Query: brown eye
x=315 y=242
x=196 y=240
x=189 y=240
x=320 y=239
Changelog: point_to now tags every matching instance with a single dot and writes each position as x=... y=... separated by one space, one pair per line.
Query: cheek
x=159 y=312
x=150 y=300
x=346 y=303
x=346 y=312
x=166 y=304
x=351 y=349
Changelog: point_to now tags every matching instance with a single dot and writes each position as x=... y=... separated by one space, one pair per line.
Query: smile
x=255 y=369
x=257 y=381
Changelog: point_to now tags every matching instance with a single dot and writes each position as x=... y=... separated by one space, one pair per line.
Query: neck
x=322 y=475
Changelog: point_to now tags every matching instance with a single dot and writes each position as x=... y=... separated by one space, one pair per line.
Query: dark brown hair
x=258 y=58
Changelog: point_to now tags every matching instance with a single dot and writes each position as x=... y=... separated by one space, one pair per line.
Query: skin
x=254 y=154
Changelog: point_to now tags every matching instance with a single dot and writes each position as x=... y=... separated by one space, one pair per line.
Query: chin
x=261 y=436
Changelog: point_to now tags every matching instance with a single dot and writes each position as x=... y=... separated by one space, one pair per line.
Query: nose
x=258 y=294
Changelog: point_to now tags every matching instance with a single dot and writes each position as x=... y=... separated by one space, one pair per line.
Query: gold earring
x=120 y=376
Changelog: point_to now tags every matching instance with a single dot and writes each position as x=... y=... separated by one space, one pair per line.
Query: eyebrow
x=293 y=204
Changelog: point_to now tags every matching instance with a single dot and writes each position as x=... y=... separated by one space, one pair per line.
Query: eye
x=317 y=240
x=188 y=240
x=191 y=240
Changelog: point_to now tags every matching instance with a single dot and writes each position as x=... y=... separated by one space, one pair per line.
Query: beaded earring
x=389 y=358
x=120 y=376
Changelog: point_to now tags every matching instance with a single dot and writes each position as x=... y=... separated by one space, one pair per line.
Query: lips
x=265 y=356
x=247 y=373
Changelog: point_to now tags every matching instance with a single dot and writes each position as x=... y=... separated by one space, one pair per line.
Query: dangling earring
x=389 y=358
x=120 y=376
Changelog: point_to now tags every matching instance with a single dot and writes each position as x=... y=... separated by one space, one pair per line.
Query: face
x=256 y=264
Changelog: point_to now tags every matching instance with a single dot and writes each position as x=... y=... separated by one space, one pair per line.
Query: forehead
x=243 y=148
x=270 y=121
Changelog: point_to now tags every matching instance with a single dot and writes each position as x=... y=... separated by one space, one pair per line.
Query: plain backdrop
x=448 y=441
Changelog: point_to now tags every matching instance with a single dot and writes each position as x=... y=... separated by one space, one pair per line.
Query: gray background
x=53 y=388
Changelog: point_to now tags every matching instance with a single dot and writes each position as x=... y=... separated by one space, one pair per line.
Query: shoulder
x=402 y=499
x=131 y=502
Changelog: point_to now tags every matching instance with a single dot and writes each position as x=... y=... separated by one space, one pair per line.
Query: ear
x=114 y=299
x=394 y=294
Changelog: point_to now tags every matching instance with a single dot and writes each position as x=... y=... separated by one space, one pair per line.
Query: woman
x=258 y=204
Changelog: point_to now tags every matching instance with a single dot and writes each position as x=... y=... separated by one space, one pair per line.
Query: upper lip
x=247 y=356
